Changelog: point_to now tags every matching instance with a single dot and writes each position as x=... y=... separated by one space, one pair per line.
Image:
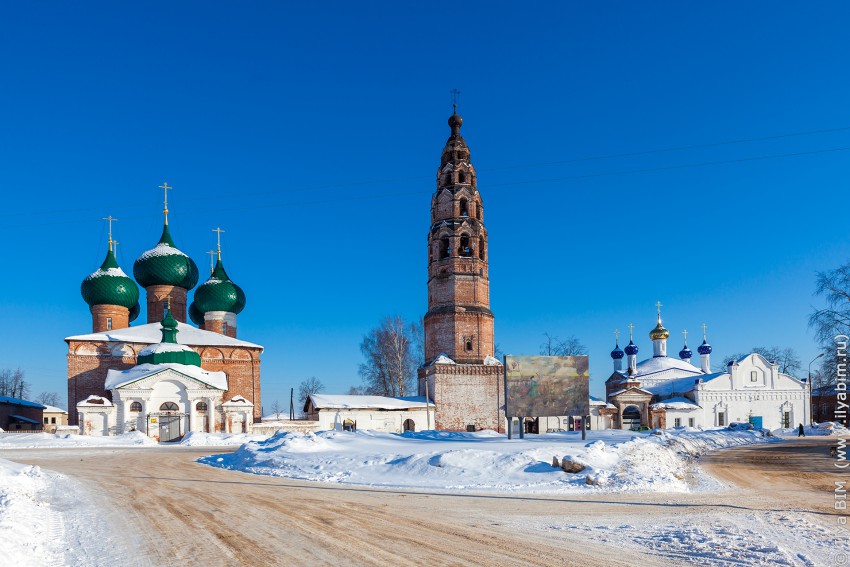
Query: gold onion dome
x=659 y=332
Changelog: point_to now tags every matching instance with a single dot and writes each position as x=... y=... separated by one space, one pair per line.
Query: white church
x=666 y=392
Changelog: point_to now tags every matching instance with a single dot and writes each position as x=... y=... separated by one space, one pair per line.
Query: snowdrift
x=617 y=461
x=59 y=440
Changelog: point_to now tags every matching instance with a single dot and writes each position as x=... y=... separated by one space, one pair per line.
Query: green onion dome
x=194 y=315
x=168 y=350
x=219 y=293
x=109 y=285
x=165 y=265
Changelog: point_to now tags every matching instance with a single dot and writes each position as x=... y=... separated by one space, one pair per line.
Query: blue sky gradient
x=311 y=134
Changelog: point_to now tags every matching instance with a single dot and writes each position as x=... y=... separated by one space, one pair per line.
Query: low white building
x=664 y=392
x=379 y=413
x=165 y=396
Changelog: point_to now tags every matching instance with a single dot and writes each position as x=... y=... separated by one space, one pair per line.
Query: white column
x=705 y=364
x=211 y=414
x=192 y=425
x=145 y=419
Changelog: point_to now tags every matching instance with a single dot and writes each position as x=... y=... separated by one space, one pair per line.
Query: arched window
x=201 y=406
x=445 y=248
x=449 y=178
x=464 y=208
x=169 y=406
x=461 y=177
x=478 y=212
x=465 y=248
x=136 y=406
x=468 y=345
x=408 y=425
x=481 y=247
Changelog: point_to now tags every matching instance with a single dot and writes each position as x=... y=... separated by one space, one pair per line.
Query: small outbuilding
x=20 y=415
x=378 y=413
x=54 y=417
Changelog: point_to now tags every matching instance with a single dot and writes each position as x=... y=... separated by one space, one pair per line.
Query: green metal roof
x=109 y=285
x=165 y=264
x=219 y=293
x=196 y=316
x=168 y=350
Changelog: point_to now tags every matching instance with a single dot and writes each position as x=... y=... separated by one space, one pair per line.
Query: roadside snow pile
x=818 y=429
x=25 y=517
x=616 y=461
x=59 y=440
x=196 y=439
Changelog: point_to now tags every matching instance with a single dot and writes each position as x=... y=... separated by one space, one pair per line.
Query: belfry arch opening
x=445 y=248
x=465 y=248
x=480 y=247
x=464 y=208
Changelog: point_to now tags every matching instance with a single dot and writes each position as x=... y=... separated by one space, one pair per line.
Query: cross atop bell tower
x=459 y=322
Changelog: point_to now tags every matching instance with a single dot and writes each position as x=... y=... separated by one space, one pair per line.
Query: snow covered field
x=59 y=440
x=196 y=439
x=615 y=460
x=46 y=520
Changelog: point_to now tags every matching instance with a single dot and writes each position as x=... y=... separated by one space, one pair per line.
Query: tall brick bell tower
x=466 y=382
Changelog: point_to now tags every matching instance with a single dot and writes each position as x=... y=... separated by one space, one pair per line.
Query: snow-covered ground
x=196 y=439
x=59 y=440
x=615 y=460
x=819 y=429
x=48 y=519
x=728 y=538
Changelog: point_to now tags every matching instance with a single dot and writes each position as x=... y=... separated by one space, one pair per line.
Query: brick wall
x=465 y=394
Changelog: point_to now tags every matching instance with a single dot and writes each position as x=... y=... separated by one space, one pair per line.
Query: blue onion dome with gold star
x=704 y=348
x=219 y=293
x=617 y=353
x=165 y=264
x=109 y=285
x=631 y=349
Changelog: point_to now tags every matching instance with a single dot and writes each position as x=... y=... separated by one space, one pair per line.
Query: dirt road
x=188 y=513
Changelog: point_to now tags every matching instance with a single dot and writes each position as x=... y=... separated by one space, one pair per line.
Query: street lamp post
x=811 y=390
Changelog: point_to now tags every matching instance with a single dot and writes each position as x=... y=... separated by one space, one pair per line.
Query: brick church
x=460 y=373
x=167 y=276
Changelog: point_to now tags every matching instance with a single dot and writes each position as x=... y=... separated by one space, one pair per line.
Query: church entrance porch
x=166 y=426
x=631 y=418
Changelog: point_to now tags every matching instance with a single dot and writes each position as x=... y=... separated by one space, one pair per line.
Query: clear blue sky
x=311 y=132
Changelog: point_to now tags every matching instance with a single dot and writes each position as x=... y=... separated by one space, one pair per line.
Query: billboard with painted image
x=537 y=386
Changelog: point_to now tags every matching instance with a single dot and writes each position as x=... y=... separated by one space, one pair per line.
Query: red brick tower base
x=466 y=396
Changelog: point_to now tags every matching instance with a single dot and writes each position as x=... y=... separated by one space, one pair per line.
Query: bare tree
x=311 y=385
x=553 y=346
x=786 y=358
x=48 y=399
x=13 y=384
x=831 y=321
x=391 y=363
x=276 y=409
x=356 y=391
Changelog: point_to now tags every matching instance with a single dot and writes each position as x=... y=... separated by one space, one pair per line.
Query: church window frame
x=136 y=406
x=786 y=419
x=721 y=419
x=754 y=376
x=169 y=406
x=677 y=422
x=224 y=328
x=201 y=407
x=109 y=323
x=692 y=422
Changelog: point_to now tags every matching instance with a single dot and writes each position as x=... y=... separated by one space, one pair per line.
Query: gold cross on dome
x=659 y=305
x=212 y=254
x=110 y=219
x=685 y=332
x=617 y=336
x=704 y=327
x=455 y=96
x=115 y=244
x=165 y=189
x=631 y=328
x=218 y=237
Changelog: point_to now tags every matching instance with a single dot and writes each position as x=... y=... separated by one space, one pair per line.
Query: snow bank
x=59 y=440
x=196 y=439
x=616 y=461
x=818 y=429
x=25 y=517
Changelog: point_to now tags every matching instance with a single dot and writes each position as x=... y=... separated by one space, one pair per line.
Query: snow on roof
x=676 y=386
x=95 y=401
x=152 y=334
x=119 y=378
x=100 y=272
x=443 y=359
x=329 y=401
x=161 y=249
x=53 y=409
x=663 y=363
x=19 y=402
x=237 y=401
x=594 y=401
x=677 y=403
x=618 y=392
x=165 y=347
x=492 y=361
